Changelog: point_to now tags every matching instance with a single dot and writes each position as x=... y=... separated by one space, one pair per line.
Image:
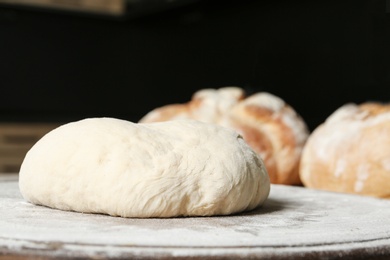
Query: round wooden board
x=295 y=222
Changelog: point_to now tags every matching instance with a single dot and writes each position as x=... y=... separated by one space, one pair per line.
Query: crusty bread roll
x=350 y=151
x=270 y=126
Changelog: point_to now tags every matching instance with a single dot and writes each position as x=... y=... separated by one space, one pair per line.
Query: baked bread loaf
x=350 y=151
x=270 y=126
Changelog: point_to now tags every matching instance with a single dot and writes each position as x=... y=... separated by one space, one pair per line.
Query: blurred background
x=62 y=61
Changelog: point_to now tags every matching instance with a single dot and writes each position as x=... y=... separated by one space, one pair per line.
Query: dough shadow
x=270 y=206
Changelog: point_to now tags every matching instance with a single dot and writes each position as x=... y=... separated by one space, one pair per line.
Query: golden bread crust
x=350 y=152
x=270 y=126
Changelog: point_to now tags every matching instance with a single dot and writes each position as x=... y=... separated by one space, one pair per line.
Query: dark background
x=316 y=55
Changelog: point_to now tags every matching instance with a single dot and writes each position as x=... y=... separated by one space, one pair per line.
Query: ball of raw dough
x=350 y=151
x=115 y=167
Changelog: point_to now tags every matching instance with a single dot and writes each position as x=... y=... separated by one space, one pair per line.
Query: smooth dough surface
x=167 y=169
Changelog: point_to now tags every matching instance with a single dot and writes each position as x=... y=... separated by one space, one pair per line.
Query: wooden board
x=294 y=223
x=15 y=141
x=114 y=7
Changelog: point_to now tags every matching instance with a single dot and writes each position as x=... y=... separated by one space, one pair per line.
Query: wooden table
x=295 y=222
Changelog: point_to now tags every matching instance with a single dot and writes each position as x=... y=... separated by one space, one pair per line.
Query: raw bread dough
x=167 y=169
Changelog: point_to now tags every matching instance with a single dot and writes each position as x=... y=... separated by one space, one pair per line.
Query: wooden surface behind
x=15 y=141
x=295 y=223
x=100 y=6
